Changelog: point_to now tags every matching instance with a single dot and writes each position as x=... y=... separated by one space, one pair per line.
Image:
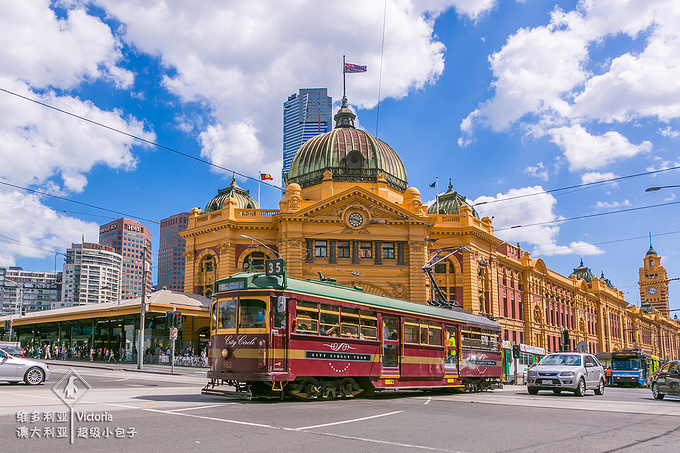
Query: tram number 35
x=274 y=267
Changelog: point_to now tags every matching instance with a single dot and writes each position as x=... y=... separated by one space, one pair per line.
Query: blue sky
x=505 y=97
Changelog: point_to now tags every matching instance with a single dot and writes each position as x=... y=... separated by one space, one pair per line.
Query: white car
x=571 y=371
x=17 y=369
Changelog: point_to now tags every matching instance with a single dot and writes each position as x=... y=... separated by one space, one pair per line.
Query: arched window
x=254 y=261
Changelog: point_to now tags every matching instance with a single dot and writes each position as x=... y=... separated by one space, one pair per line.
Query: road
x=162 y=412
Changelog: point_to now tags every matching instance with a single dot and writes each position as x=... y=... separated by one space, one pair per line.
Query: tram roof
x=350 y=294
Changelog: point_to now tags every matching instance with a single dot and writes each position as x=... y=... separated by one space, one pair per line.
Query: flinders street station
x=348 y=213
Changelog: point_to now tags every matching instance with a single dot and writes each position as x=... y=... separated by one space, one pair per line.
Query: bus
x=632 y=367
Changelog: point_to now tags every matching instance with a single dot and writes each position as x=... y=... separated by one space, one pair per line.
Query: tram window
x=424 y=333
x=213 y=316
x=227 y=315
x=330 y=320
x=411 y=331
x=369 y=325
x=390 y=329
x=252 y=313
x=435 y=334
x=350 y=322
x=307 y=317
x=450 y=347
x=390 y=357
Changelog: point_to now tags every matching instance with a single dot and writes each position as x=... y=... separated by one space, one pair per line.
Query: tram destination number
x=274 y=267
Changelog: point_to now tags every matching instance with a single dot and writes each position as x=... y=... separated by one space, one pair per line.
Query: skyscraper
x=92 y=274
x=171 y=253
x=129 y=238
x=305 y=114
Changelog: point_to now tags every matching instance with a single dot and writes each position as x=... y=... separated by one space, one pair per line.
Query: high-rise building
x=305 y=115
x=92 y=274
x=171 y=253
x=132 y=241
x=26 y=291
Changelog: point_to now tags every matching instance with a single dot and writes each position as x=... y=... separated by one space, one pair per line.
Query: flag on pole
x=433 y=184
x=354 y=68
x=266 y=177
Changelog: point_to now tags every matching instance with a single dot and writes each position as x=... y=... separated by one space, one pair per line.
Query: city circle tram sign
x=71 y=388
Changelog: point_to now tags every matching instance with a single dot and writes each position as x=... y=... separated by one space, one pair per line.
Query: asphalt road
x=160 y=412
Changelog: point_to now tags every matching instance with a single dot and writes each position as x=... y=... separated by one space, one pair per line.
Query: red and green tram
x=273 y=335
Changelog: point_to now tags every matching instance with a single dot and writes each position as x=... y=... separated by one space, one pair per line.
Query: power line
x=587 y=216
x=580 y=186
x=76 y=202
x=136 y=137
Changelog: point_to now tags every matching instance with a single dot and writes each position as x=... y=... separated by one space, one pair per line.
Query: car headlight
x=532 y=373
x=567 y=374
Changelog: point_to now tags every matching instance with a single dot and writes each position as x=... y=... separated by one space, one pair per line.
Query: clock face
x=651 y=290
x=355 y=219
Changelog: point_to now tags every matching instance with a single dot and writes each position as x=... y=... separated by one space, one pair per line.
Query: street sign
x=173 y=333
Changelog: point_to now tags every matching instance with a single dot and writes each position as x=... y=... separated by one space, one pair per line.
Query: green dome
x=349 y=154
x=242 y=197
x=449 y=203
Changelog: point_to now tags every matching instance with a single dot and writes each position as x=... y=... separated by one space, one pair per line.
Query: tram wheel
x=348 y=388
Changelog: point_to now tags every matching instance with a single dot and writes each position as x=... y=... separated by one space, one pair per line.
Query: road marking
x=429 y=398
x=199 y=407
x=349 y=421
x=258 y=425
x=122 y=405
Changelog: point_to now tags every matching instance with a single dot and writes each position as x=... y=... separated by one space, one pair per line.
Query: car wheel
x=581 y=389
x=557 y=392
x=34 y=376
x=600 y=388
x=655 y=392
x=532 y=391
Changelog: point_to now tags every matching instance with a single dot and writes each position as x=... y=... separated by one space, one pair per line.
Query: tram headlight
x=226 y=353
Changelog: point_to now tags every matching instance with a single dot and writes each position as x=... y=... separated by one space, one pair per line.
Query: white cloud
x=539 y=171
x=244 y=59
x=544 y=82
x=612 y=204
x=516 y=215
x=669 y=132
x=585 y=151
x=592 y=177
x=38 y=225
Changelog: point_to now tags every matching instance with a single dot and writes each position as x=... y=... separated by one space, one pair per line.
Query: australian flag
x=354 y=68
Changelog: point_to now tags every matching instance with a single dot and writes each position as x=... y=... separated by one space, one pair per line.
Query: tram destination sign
x=324 y=355
x=231 y=286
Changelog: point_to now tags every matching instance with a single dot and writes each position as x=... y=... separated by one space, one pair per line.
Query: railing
x=194 y=360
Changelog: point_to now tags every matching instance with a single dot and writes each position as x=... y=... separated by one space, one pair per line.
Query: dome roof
x=583 y=273
x=349 y=154
x=449 y=203
x=242 y=197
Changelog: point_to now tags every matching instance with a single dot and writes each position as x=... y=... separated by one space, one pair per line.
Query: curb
x=102 y=366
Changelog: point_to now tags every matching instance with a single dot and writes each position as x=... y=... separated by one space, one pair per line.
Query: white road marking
x=349 y=421
x=429 y=398
x=199 y=407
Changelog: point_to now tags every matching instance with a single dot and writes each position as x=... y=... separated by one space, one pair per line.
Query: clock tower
x=653 y=282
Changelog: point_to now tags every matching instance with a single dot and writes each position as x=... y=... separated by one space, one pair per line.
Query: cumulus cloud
x=244 y=59
x=544 y=82
x=612 y=204
x=539 y=171
x=517 y=217
x=45 y=55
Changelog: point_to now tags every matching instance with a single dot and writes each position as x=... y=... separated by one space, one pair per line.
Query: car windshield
x=568 y=360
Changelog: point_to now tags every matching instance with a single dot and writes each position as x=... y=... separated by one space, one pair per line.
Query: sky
x=550 y=116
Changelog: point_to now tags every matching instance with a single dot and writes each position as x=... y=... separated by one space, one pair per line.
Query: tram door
x=451 y=360
x=279 y=346
x=390 y=345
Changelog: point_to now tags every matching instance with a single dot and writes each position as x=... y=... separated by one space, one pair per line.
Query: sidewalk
x=129 y=366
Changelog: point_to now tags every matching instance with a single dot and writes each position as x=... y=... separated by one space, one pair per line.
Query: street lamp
x=276 y=254
x=654 y=189
x=20 y=303
x=142 y=315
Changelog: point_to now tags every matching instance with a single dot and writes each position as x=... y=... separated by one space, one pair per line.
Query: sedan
x=16 y=369
x=666 y=381
x=573 y=371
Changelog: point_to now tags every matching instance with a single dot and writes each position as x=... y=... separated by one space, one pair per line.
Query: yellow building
x=349 y=214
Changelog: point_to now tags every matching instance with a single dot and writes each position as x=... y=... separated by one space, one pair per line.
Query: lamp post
x=654 y=189
x=142 y=315
x=276 y=254
x=20 y=303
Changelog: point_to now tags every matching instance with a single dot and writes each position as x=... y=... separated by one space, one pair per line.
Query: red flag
x=266 y=177
x=354 y=68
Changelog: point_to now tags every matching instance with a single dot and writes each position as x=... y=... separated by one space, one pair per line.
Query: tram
x=273 y=336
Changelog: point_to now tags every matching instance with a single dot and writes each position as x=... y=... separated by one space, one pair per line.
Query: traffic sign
x=173 y=333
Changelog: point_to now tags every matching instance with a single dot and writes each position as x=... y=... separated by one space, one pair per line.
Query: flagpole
x=343 y=76
x=259 y=183
x=437 y=189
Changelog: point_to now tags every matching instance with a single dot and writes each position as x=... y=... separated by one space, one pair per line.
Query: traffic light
x=177 y=319
x=8 y=323
x=565 y=340
x=515 y=351
x=169 y=319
